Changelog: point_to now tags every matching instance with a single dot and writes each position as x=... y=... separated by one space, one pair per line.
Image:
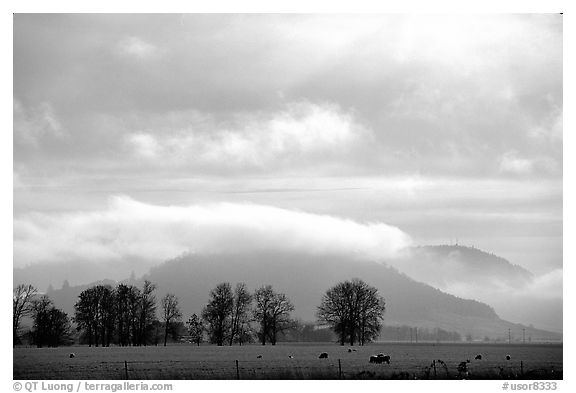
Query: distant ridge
x=444 y=266
x=305 y=278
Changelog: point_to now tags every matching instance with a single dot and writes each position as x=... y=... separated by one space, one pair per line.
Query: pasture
x=187 y=361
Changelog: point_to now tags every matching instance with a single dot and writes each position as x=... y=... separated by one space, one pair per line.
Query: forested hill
x=305 y=278
x=446 y=265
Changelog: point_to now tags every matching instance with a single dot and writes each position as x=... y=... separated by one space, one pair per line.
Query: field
x=186 y=361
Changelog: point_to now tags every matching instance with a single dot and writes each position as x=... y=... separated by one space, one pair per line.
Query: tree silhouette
x=354 y=310
x=272 y=312
x=170 y=312
x=22 y=299
x=195 y=329
x=240 y=309
x=218 y=313
x=51 y=326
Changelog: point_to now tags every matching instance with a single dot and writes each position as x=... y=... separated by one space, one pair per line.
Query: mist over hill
x=305 y=279
x=450 y=265
x=516 y=293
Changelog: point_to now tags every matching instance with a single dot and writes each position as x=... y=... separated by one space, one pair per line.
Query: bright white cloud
x=301 y=131
x=129 y=228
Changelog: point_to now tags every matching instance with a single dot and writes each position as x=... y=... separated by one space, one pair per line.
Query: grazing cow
x=463 y=367
x=478 y=357
x=291 y=357
x=508 y=357
x=259 y=357
x=72 y=355
x=349 y=350
x=380 y=358
x=323 y=355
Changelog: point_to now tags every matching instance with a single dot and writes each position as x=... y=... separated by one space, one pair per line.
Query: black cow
x=463 y=367
x=323 y=355
x=478 y=357
x=380 y=358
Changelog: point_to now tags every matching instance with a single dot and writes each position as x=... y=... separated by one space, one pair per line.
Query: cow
x=72 y=355
x=463 y=368
x=508 y=357
x=478 y=357
x=380 y=358
x=323 y=355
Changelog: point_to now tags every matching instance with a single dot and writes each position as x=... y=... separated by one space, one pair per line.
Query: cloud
x=136 y=47
x=144 y=145
x=299 y=132
x=551 y=129
x=441 y=94
x=31 y=125
x=516 y=294
x=512 y=162
x=132 y=229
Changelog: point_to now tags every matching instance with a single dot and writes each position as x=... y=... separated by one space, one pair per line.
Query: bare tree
x=241 y=307
x=272 y=312
x=354 y=310
x=146 y=312
x=51 y=325
x=334 y=310
x=218 y=311
x=280 y=320
x=195 y=329
x=22 y=298
x=127 y=300
x=95 y=313
x=171 y=312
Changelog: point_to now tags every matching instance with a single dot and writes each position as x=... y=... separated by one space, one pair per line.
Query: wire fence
x=321 y=369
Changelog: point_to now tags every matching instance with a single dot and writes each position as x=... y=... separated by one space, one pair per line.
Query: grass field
x=185 y=361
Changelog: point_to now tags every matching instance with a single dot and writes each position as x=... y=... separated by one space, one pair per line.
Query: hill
x=449 y=266
x=305 y=278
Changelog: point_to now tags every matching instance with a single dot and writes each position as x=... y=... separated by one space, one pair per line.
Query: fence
x=325 y=369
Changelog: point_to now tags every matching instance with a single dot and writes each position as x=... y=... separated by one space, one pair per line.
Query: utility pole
x=509 y=337
x=416 y=333
x=523 y=335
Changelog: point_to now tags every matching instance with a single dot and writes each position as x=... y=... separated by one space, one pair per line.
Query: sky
x=152 y=135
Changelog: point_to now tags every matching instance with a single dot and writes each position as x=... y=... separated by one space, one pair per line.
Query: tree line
x=126 y=315
x=50 y=326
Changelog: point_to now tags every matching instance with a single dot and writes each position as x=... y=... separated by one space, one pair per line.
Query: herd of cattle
x=377 y=359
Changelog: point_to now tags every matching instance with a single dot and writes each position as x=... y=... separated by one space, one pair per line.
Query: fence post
x=339 y=369
x=434 y=366
x=237 y=370
x=521 y=367
x=126 y=368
